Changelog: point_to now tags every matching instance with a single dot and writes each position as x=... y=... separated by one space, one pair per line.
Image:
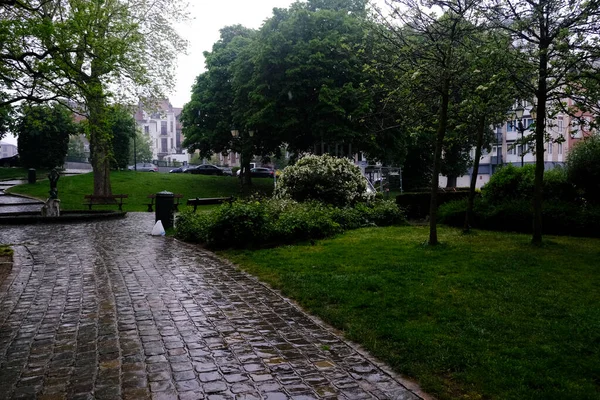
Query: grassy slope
x=484 y=316
x=138 y=185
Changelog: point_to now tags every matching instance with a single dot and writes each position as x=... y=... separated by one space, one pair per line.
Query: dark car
x=178 y=170
x=227 y=171
x=205 y=169
x=261 y=172
x=12 y=161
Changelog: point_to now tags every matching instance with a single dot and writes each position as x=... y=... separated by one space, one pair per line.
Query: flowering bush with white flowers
x=327 y=179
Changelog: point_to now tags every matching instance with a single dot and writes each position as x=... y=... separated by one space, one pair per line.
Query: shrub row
x=559 y=217
x=273 y=222
x=416 y=205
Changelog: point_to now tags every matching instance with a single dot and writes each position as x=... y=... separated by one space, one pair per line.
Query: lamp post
x=520 y=128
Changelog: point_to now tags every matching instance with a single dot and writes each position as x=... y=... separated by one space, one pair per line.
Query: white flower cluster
x=324 y=178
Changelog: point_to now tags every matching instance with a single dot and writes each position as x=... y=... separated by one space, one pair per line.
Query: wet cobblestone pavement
x=103 y=310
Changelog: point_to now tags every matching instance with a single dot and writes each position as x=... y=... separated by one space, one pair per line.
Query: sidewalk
x=104 y=310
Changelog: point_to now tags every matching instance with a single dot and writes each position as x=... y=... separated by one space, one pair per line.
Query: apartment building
x=161 y=124
x=506 y=149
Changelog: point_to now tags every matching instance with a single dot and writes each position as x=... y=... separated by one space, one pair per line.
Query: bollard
x=164 y=208
x=31 y=178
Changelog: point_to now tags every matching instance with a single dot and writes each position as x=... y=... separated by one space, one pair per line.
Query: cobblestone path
x=103 y=310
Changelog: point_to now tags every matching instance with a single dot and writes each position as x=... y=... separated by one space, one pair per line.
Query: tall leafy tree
x=434 y=59
x=556 y=47
x=123 y=129
x=89 y=54
x=305 y=83
x=44 y=132
x=142 y=148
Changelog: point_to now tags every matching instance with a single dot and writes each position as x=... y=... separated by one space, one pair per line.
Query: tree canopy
x=89 y=54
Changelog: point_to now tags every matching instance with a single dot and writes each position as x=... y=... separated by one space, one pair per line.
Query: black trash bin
x=31 y=178
x=165 y=204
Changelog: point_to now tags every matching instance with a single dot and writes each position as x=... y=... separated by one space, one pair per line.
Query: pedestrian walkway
x=103 y=310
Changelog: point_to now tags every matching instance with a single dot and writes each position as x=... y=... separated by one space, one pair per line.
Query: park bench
x=200 y=201
x=177 y=198
x=117 y=199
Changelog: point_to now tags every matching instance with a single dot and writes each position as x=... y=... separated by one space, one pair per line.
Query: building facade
x=562 y=133
x=7 y=150
x=163 y=127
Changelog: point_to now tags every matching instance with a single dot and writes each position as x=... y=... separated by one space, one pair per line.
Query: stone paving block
x=112 y=312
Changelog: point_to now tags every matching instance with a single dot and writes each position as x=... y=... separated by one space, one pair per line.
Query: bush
x=559 y=217
x=510 y=183
x=327 y=179
x=279 y=221
x=583 y=167
x=417 y=205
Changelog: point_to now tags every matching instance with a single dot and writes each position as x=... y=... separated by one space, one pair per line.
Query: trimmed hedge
x=273 y=222
x=416 y=205
x=559 y=217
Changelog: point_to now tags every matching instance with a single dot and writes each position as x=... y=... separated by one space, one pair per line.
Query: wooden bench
x=200 y=201
x=177 y=198
x=93 y=200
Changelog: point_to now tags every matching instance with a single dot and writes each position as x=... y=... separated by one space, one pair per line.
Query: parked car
x=260 y=172
x=205 y=169
x=12 y=161
x=143 y=167
x=227 y=171
x=178 y=170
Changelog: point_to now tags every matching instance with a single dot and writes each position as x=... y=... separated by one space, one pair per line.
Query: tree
x=76 y=147
x=142 y=147
x=434 y=63
x=556 y=48
x=44 y=132
x=304 y=79
x=208 y=118
x=123 y=129
x=88 y=54
x=583 y=167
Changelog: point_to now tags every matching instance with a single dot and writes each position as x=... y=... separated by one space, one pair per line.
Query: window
x=528 y=122
x=560 y=125
x=171 y=126
x=147 y=130
x=560 y=148
x=171 y=142
x=163 y=127
x=511 y=149
x=550 y=147
x=510 y=126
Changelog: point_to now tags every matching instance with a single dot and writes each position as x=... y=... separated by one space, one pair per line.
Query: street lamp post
x=519 y=111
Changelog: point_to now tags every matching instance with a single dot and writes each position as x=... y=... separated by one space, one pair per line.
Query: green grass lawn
x=19 y=173
x=482 y=316
x=138 y=185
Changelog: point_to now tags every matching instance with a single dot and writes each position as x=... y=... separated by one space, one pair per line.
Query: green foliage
x=143 y=148
x=517 y=183
x=510 y=183
x=279 y=221
x=76 y=147
x=583 y=167
x=516 y=215
x=323 y=178
x=123 y=128
x=43 y=135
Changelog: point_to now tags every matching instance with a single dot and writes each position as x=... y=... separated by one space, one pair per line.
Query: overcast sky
x=208 y=17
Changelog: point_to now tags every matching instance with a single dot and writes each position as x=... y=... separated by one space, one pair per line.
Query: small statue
x=52 y=206
x=53 y=176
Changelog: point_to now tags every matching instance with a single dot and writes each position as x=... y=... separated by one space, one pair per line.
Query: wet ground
x=104 y=310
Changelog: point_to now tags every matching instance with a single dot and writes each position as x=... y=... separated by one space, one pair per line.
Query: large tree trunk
x=542 y=96
x=471 y=201
x=100 y=143
x=437 y=163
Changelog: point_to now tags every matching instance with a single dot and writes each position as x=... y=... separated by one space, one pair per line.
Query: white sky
x=203 y=31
